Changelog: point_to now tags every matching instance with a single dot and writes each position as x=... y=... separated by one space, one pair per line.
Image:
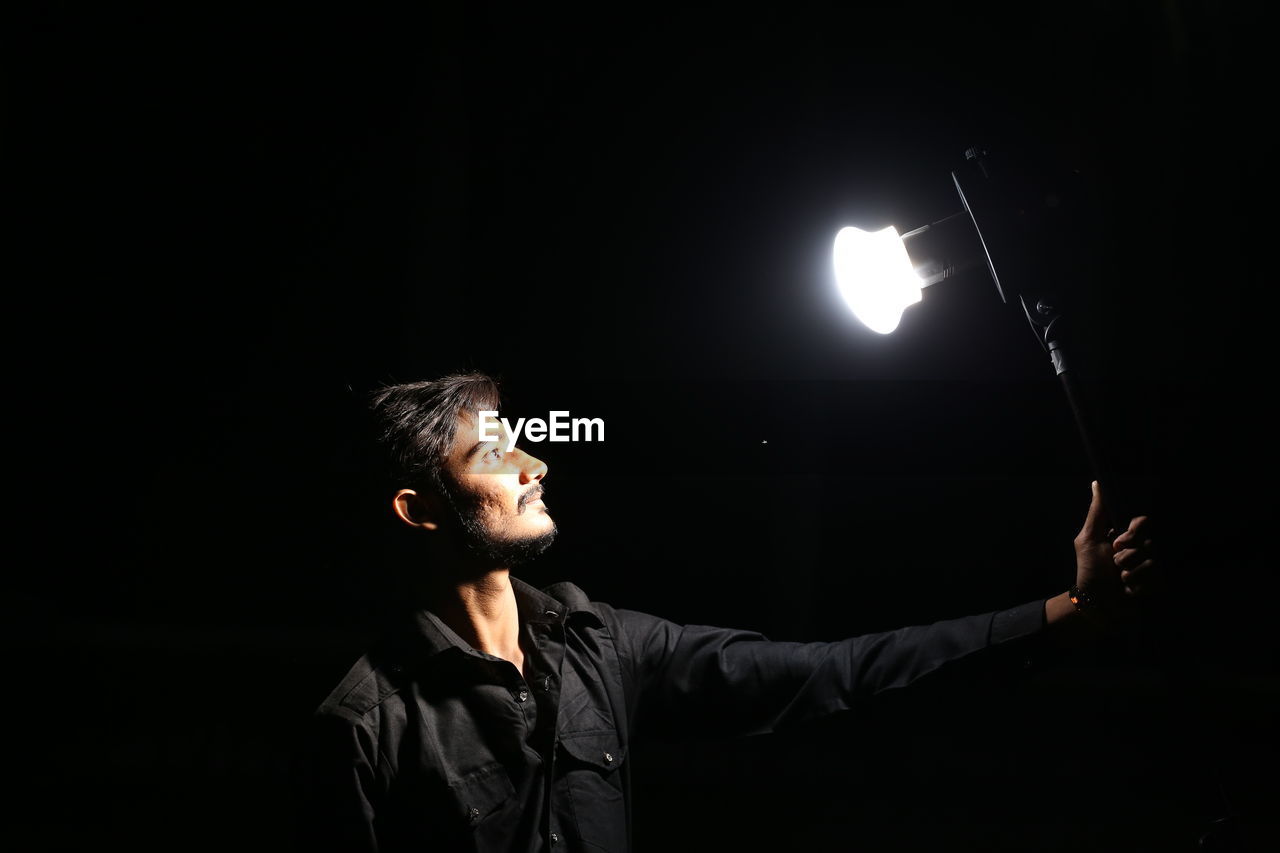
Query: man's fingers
x=1127 y=558
x=1139 y=529
x=1137 y=574
x=1131 y=552
x=1094 y=523
x=1124 y=541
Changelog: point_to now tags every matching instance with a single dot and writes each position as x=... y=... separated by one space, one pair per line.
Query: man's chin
x=513 y=552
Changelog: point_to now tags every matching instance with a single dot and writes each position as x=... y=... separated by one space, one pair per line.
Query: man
x=499 y=717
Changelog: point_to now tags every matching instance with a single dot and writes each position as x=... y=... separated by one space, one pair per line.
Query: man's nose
x=532 y=468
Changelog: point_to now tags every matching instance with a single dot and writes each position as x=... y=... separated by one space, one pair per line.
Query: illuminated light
x=875 y=276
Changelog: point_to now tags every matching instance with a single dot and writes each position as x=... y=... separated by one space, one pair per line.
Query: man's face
x=497 y=495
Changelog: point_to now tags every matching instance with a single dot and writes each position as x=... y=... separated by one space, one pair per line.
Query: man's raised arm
x=697 y=679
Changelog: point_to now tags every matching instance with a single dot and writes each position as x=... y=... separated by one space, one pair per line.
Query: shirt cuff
x=1017 y=622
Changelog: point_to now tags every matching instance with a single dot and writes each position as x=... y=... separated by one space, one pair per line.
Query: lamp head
x=1016 y=215
x=875 y=276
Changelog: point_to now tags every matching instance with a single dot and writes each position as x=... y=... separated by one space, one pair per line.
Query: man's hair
x=416 y=424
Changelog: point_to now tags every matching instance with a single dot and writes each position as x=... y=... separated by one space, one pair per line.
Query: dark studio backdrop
x=228 y=228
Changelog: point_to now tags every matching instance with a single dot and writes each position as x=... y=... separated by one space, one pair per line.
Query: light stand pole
x=1015 y=240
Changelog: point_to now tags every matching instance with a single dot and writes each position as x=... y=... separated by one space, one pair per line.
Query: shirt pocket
x=589 y=765
x=481 y=795
x=598 y=749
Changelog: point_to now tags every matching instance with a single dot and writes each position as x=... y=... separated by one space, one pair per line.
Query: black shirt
x=428 y=744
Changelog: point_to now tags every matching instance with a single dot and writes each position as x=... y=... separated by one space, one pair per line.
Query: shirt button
x=546 y=684
x=473 y=814
x=555 y=839
x=608 y=758
x=522 y=695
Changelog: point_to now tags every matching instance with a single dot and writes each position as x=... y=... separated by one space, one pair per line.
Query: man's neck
x=483 y=612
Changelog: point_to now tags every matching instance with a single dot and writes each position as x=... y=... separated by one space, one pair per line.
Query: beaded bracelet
x=1081 y=600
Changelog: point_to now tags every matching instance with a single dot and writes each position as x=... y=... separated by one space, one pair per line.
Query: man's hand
x=1133 y=555
x=1109 y=566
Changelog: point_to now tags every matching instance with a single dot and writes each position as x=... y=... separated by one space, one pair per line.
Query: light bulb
x=875 y=276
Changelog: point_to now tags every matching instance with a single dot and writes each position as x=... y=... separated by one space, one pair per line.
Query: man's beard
x=480 y=542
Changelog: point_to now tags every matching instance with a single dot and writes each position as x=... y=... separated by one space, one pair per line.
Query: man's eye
x=496 y=453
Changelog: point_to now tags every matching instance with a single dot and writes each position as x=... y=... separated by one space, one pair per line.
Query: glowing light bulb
x=875 y=276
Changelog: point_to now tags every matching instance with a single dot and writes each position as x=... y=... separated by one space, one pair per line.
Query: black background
x=228 y=228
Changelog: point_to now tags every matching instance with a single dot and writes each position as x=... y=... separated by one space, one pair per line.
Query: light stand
x=1018 y=226
x=1010 y=223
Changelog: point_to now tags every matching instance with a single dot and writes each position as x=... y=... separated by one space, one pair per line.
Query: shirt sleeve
x=335 y=781
x=697 y=679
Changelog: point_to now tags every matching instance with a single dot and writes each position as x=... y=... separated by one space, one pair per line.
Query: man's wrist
x=1060 y=610
x=1080 y=604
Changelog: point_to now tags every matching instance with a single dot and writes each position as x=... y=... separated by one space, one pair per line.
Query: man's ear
x=416 y=510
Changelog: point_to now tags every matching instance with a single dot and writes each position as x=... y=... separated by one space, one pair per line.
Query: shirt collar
x=534 y=606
